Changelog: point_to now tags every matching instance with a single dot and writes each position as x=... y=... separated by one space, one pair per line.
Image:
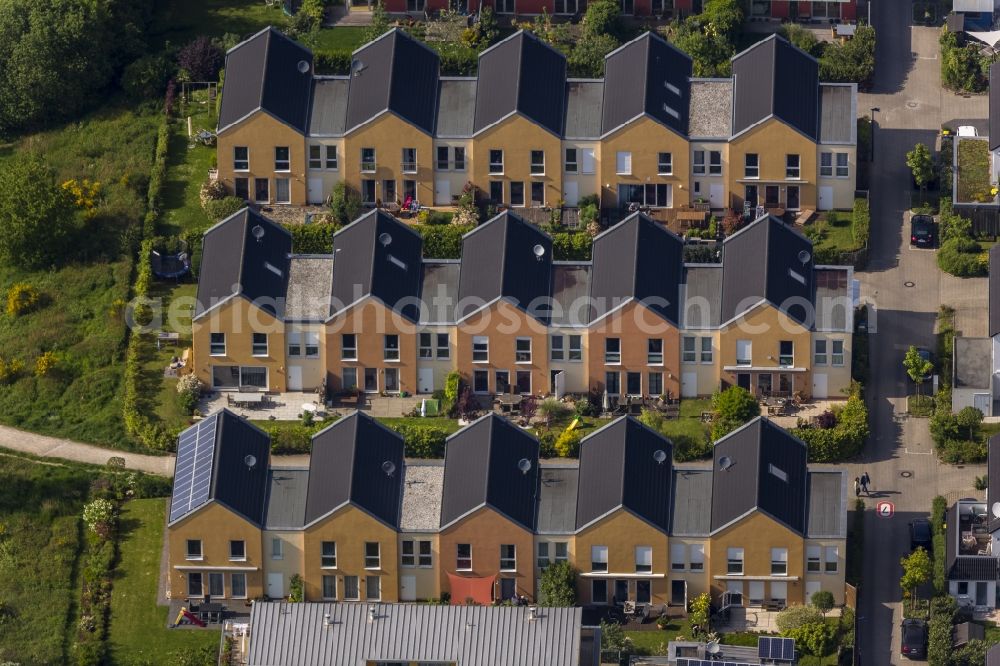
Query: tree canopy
x=733 y=407
x=39 y=218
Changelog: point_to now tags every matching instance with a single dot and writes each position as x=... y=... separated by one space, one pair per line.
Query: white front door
x=425 y=380
x=560 y=384
x=407 y=588
x=689 y=384
x=295 y=378
x=779 y=591
x=715 y=195
x=275 y=585
x=825 y=197
x=315 y=195
x=442 y=192
x=571 y=192
x=812 y=587
x=819 y=385
x=981 y=401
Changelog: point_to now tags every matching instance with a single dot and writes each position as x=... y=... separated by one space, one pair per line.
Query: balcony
x=368 y=167
x=409 y=167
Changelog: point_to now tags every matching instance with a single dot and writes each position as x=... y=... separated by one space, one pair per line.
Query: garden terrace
x=973 y=176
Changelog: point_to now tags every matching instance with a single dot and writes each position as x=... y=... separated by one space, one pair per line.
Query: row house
x=375 y=316
x=754 y=527
x=647 y=134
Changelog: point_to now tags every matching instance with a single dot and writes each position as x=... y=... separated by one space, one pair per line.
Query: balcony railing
x=409 y=167
x=367 y=167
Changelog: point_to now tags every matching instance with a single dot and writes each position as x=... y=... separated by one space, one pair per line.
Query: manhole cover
x=909 y=283
x=906 y=474
x=912 y=105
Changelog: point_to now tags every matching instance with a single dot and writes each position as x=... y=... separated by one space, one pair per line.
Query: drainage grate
x=906 y=474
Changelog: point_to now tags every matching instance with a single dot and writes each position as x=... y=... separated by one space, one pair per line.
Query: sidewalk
x=53 y=447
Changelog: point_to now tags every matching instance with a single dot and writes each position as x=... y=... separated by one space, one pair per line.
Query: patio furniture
x=629 y=609
x=167 y=336
x=691 y=218
x=211 y=612
x=509 y=402
x=243 y=399
x=309 y=407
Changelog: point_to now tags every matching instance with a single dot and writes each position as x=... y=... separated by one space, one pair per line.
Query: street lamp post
x=874 y=110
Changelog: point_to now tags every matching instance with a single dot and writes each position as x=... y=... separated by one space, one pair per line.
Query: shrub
x=553 y=410
x=939 y=630
x=961 y=258
x=452 y=384
x=815 y=638
x=699 y=610
x=823 y=601
x=289 y=438
x=146 y=78
x=442 y=241
x=546 y=443
x=795 y=617
x=211 y=190
x=188 y=392
x=46 y=364
x=200 y=59
x=603 y=18
x=312 y=238
x=587 y=57
x=21 y=299
x=10 y=369
x=421 y=441
x=39 y=218
x=220 y=209
x=852 y=61
x=295 y=586
x=733 y=407
x=345 y=203
x=568 y=444
x=860 y=222
x=846 y=439
x=557 y=585
x=99 y=515
x=571 y=246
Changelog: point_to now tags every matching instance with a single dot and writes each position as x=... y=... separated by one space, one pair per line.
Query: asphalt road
x=906 y=288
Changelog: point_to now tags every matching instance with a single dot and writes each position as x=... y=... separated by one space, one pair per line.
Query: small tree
x=916 y=367
x=794 y=617
x=38 y=217
x=822 y=601
x=568 y=444
x=551 y=410
x=916 y=572
x=921 y=165
x=295 y=589
x=100 y=517
x=557 y=585
x=380 y=23
x=733 y=407
x=699 y=614
x=201 y=59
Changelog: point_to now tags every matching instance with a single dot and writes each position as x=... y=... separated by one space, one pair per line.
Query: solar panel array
x=779 y=649
x=683 y=661
x=193 y=473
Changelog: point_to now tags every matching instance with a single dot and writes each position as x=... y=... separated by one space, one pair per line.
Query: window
x=786 y=353
x=409 y=160
x=331 y=157
x=459 y=158
x=664 y=164
x=837 y=352
x=623 y=163
x=734 y=561
x=656 y=383
x=714 y=163
x=424 y=557
x=194 y=584
x=261 y=190
x=706 y=350
x=779 y=561
x=241 y=187
x=371 y=380
x=443 y=349
x=588 y=161
x=217 y=344
x=442 y=158
x=777 y=472
x=643 y=559
x=792 y=167
x=408 y=556
x=373 y=588
x=282 y=191
x=751 y=165
x=522 y=350
x=654 y=195
x=415 y=5
x=316 y=157
x=575 y=348
x=826 y=164
x=598 y=558
x=611 y=383
x=463 y=557
x=812 y=559
x=260 y=344
x=543 y=554
x=409 y=190
x=698 y=164
x=842 y=168
x=508 y=557
x=329 y=587
x=572 y=166
x=237 y=549
x=348 y=347
x=351 y=590
x=496 y=161
x=238 y=585
x=697 y=557
x=496 y=191
x=194 y=549
x=480 y=349
x=562 y=551
x=294 y=343
x=537 y=194
x=744 y=352
x=241 y=158
x=367 y=160
x=424 y=349
x=328 y=554
x=599 y=591
x=480 y=381
x=613 y=350
x=390 y=347
x=556 y=351
x=516 y=193
x=522 y=381
x=537 y=162
x=830 y=559
x=963 y=587
x=501 y=381
x=277 y=549
x=388 y=191
x=216 y=585
x=654 y=351
x=372 y=555
x=633 y=383
x=368 y=191
x=819 y=352
x=349 y=378
x=688 y=353
x=282 y=161
x=677 y=553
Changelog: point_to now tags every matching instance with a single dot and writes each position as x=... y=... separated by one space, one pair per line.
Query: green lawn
x=833 y=233
x=342 y=38
x=187 y=169
x=654 y=641
x=160 y=390
x=973 y=170
x=180 y=21
x=40 y=541
x=139 y=632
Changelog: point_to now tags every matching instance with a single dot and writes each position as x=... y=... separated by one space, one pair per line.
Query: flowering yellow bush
x=85 y=193
x=21 y=298
x=9 y=369
x=45 y=364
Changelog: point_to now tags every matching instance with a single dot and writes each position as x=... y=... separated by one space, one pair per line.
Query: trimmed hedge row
x=453 y=62
x=91 y=647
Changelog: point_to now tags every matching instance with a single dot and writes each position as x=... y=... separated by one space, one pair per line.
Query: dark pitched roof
x=521 y=74
x=396 y=73
x=995 y=106
x=583 y=109
x=212 y=465
x=765 y=471
x=692 y=493
x=764 y=261
x=482 y=468
x=647 y=76
x=235 y=262
x=618 y=469
x=348 y=465
x=774 y=78
x=265 y=73
x=994 y=287
x=993 y=480
x=377 y=255
x=499 y=261
x=641 y=260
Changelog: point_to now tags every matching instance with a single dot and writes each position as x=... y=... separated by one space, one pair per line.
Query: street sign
x=885 y=509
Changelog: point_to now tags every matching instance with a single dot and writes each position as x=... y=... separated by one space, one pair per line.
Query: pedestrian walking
x=865 y=482
x=857 y=486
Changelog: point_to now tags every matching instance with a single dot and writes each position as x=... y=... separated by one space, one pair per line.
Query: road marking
x=885 y=509
x=918 y=453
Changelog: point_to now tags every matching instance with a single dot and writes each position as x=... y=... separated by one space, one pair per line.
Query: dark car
x=914 y=639
x=923 y=231
x=920 y=534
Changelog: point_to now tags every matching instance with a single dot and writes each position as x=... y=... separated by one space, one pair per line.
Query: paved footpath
x=54 y=447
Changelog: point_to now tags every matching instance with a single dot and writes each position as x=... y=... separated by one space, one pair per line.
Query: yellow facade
x=239 y=319
x=417 y=581
x=766 y=327
x=622 y=533
x=261 y=134
x=644 y=140
x=773 y=141
x=517 y=137
x=388 y=135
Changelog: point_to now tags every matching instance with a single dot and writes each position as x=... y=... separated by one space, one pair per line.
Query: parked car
x=914 y=639
x=923 y=231
x=920 y=534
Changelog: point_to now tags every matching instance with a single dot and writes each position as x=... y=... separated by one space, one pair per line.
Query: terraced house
x=648 y=134
x=362 y=523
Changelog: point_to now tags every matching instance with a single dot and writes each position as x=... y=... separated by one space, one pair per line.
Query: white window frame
x=277 y=548
x=689 y=349
x=698 y=164
x=654 y=357
x=439 y=164
x=213 y=346
x=323 y=556
x=424 y=347
x=377 y=557
x=442 y=351
x=623 y=163
x=408 y=166
x=357 y=588
x=331 y=162
x=571 y=166
x=842 y=170
x=294 y=344
x=344 y=350
x=715 y=163
x=323 y=587
x=744 y=358
x=480 y=348
x=644 y=559
x=598 y=557
x=678 y=552
x=697 y=557
x=508 y=563
x=237 y=161
x=779 y=561
x=237 y=558
x=390 y=354
x=232 y=585
x=706 y=354
x=458 y=158
x=751 y=171
x=786 y=360
x=459 y=558
x=495 y=167
x=256 y=346
x=557 y=351
x=282 y=190
x=831 y=559
x=612 y=356
x=368 y=165
x=733 y=556
x=542 y=557
x=826 y=164
x=588 y=164
x=574 y=352
x=814 y=559
x=819 y=351
x=522 y=356
x=282 y=165
x=665 y=165
x=793 y=166
x=192 y=556
x=536 y=168
x=315 y=156
x=834 y=354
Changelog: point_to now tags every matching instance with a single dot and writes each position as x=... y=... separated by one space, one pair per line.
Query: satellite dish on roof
x=804 y=257
x=385 y=239
x=524 y=465
x=539 y=251
x=725 y=462
x=713 y=647
x=303 y=66
x=388 y=467
x=996 y=509
x=258 y=232
x=357 y=66
x=659 y=455
x=250 y=461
